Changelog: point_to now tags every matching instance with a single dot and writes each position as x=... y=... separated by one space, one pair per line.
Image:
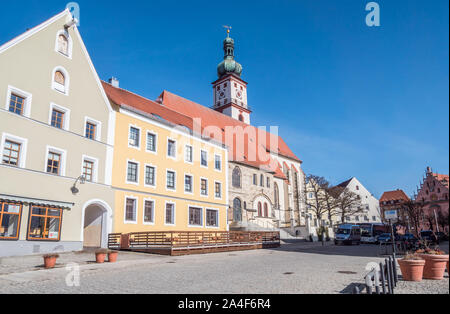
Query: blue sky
x=350 y=100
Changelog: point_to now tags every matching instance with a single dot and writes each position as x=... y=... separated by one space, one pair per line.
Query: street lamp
x=74 y=188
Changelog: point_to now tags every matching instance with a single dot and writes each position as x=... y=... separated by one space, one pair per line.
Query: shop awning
x=35 y=201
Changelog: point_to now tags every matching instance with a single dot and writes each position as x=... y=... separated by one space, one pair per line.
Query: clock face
x=221 y=95
x=239 y=95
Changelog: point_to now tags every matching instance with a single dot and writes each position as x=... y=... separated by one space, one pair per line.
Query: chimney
x=114 y=82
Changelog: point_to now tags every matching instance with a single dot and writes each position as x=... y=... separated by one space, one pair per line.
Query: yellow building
x=165 y=177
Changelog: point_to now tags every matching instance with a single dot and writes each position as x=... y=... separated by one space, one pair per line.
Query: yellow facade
x=138 y=193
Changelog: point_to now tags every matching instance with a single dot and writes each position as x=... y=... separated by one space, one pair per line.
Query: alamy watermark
x=373 y=18
x=73 y=277
x=74 y=8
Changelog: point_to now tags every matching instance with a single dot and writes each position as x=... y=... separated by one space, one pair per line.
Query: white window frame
x=23 y=148
x=140 y=137
x=63 y=154
x=98 y=128
x=221 y=163
x=153 y=212
x=207 y=161
x=58 y=87
x=27 y=96
x=221 y=190
x=66 y=111
x=145 y=176
x=202 y=217
x=94 y=170
x=175 y=180
x=217 y=216
x=207 y=187
x=136 y=208
x=192 y=184
x=191 y=162
x=174 y=211
x=69 y=41
x=156 y=142
x=167 y=148
x=138 y=170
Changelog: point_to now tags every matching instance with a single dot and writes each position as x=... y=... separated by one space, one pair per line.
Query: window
x=16 y=104
x=171 y=180
x=54 y=163
x=10 y=215
x=91 y=130
x=268 y=182
x=276 y=196
x=150 y=175
x=260 y=213
x=170 y=214
x=171 y=149
x=132 y=172
x=218 y=163
x=374 y=218
x=204 y=159
x=204 y=187
x=60 y=80
x=218 y=190
x=149 y=211
x=57 y=119
x=266 y=210
x=237 y=210
x=134 y=138
x=189 y=154
x=63 y=44
x=11 y=153
x=45 y=223
x=261 y=181
x=151 y=142
x=212 y=218
x=88 y=170
x=188 y=183
x=241 y=118
x=195 y=216
x=130 y=210
x=357 y=218
x=236 y=179
x=255 y=179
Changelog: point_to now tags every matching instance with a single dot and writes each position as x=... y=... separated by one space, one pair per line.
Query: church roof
x=443 y=178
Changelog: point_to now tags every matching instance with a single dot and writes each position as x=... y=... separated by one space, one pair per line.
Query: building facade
x=394 y=200
x=57 y=139
x=433 y=195
x=165 y=176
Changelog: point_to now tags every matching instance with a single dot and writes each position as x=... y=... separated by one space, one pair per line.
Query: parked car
x=384 y=238
x=409 y=237
x=348 y=234
x=429 y=236
x=441 y=236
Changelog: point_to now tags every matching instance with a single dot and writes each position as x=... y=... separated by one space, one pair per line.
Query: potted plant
x=412 y=267
x=435 y=263
x=50 y=260
x=112 y=256
x=100 y=255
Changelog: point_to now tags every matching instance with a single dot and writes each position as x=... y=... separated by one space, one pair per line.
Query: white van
x=348 y=234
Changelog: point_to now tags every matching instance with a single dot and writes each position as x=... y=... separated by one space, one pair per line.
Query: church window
x=236 y=179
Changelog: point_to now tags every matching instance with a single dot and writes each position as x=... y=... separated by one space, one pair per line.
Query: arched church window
x=260 y=209
x=266 y=210
x=241 y=118
x=237 y=210
x=236 y=179
x=277 y=195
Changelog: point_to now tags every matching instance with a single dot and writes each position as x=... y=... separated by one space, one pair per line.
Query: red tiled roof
x=122 y=97
x=279 y=173
x=398 y=195
x=443 y=178
x=211 y=118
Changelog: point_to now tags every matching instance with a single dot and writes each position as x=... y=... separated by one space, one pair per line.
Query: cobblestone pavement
x=293 y=268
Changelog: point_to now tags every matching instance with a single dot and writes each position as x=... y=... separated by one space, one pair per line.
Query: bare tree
x=348 y=203
x=318 y=205
x=331 y=203
x=414 y=210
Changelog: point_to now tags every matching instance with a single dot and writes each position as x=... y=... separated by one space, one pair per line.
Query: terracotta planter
x=434 y=266
x=49 y=262
x=112 y=257
x=412 y=270
x=100 y=257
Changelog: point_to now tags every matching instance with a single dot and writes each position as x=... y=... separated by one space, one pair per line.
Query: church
x=266 y=184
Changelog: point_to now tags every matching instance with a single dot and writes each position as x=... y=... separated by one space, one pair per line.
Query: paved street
x=293 y=268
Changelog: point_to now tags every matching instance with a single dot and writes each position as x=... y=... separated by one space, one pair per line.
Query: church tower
x=230 y=91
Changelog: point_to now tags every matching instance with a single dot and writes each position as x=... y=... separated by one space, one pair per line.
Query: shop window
x=10 y=216
x=45 y=223
x=195 y=216
x=212 y=218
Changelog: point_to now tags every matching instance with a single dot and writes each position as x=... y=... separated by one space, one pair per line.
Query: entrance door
x=93 y=227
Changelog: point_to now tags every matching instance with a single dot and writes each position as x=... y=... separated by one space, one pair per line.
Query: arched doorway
x=237 y=210
x=96 y=224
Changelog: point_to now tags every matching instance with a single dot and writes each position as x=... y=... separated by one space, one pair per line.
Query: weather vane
x=228 y=28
